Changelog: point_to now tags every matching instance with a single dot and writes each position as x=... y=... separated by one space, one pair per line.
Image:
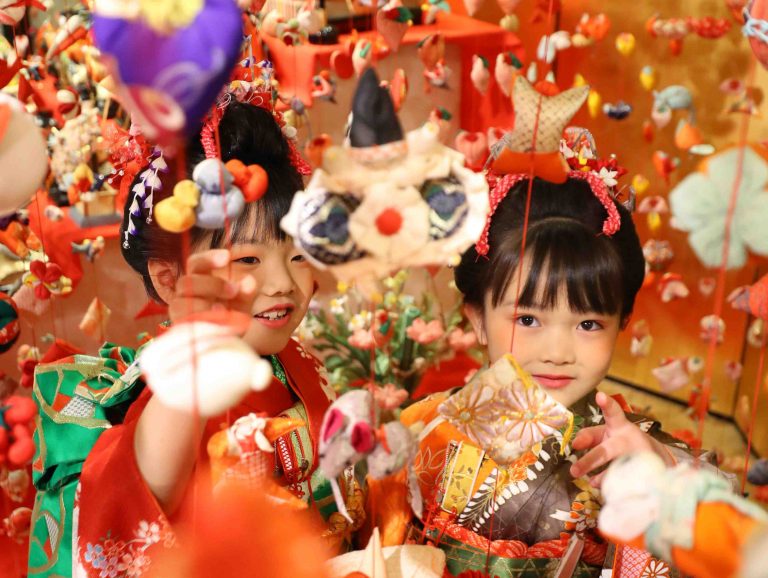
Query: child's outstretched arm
x=167 y=440
x=616 y=437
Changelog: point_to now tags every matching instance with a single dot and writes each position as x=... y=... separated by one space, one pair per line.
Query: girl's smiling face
x=284 y=287
x=567 y=352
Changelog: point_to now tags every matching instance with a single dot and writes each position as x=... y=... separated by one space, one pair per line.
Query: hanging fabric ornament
x=176 y=213
x=664 y=164
x=386 y=199
x=544 y=116
x=648 y=131
x=658 y=254
x=648 y=77
x=324 y=87
x=508 y=66
x=712 y=328
x=550 y=45
x=23 y=154
x=315 y=148
x=687 y=135
x=9 y=323
x=398 y=88
x=752 y=299
x=508 y=6
x=213 y=211
x=510 y=22
x=672 y=374
x=442 y=119
x=673 y=29
x=594 y=103
x=671 y=286
x=618 y=111
x=707 y=286
x=591 y=28
x=756 y=29
x=95 y=320
x=341 y=62
x=640 y=183
x=625 y=43
x=480 y=73
x=472 y=6
x=642 y=341
x=168 y=62
x=474 y=147
x=392 y=22
x=362 y=56
x=653 y=207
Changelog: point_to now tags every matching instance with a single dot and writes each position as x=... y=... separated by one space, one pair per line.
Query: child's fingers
x=246 y=294
x=181 y=308
x=612 y=412
x=600 y=456
x=206 y=287
x=589 y=437
x=207 y=261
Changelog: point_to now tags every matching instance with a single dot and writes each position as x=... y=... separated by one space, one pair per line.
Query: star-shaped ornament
x=518 y=151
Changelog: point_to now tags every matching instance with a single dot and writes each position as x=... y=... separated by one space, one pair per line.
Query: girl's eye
x=527 y=321
x=590 y=325
x=248 y=260
x=298 y=259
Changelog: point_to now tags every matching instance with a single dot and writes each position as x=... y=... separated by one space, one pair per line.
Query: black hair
x=247 y=133
x=565 y=248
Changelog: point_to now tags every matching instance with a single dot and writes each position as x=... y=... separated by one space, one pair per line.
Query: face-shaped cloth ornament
x=387 y=200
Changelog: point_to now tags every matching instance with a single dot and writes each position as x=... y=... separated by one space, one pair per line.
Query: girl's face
x=566 y=352
x=285 y=284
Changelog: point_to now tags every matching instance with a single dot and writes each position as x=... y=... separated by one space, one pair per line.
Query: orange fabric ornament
x=252 y=180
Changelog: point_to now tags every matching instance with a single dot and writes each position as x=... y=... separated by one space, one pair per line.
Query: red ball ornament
x=389 y=222
x=756 y=29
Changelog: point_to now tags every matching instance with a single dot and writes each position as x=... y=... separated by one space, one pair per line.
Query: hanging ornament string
x=706 y=389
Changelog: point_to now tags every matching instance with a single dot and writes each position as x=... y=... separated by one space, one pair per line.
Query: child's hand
x=200 y=289
x=617 y=437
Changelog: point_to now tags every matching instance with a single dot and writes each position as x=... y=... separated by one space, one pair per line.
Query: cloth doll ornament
x=505 y=413
x=183 y=368
x=167 y=60
x=351 y=432
x=387 y=200
x=23 y=155
x=519 y=149
x=480 y=73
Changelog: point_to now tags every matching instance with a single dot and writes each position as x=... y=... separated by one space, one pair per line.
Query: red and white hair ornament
x=503 y=185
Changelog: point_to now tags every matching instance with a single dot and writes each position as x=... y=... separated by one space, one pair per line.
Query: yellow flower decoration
x=166 y=16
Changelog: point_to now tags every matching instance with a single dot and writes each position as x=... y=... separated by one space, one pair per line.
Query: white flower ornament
x=700 y=207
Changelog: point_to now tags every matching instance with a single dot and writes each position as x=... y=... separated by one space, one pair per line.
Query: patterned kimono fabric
x=530 y=510
x=94 y=515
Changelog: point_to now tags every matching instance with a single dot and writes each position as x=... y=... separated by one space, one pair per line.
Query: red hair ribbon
x=503 y=185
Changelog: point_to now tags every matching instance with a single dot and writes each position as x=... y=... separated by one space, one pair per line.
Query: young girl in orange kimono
x=558 y=312
x=147 y=466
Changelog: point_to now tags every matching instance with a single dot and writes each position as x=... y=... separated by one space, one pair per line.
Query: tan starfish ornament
x=531 y=146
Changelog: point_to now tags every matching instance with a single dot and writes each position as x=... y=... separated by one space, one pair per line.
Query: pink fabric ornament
x=712 y=328
x=507 y=69
x=480 y=74
x=671 y=286
x=508 y=6
x=707 y=286
x=392 y=22
x=672 y=374
x=474 y=147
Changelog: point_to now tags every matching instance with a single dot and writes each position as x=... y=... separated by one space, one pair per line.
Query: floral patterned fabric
x=95 y=517
x=519 y=517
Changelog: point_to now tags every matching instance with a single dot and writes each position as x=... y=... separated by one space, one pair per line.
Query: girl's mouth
x=276 y=317
x=553 y=381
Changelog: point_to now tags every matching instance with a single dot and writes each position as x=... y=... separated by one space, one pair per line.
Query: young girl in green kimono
x=132 y=466
x=558 y=311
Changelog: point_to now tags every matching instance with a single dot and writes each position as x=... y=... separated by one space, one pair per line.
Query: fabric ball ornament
x=448 y=207
x=322 y=230
x=9 y=323
x=23 y=155
x=194 y=353
x=169 y=59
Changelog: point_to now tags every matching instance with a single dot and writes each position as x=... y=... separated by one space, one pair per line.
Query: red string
x=706 y=389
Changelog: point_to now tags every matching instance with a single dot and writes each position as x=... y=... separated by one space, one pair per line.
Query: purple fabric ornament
x=169 y=64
